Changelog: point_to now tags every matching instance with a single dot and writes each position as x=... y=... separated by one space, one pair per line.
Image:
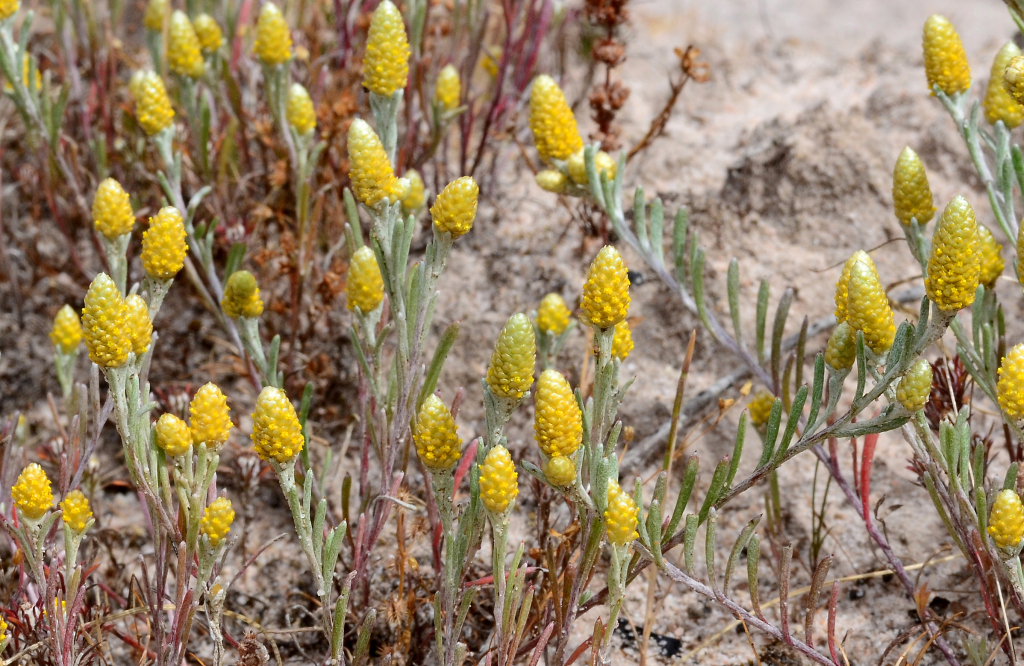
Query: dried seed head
x=991 y=257
x=386 y=63
x=454 y=210
x=1006 y=522
x=156 y=10
x=172 y=435
x=841 y=351
x=620 y=517
x=8 y=8
x=76 y=511
x=66 y=333
x=242 y=296
x=31 y=493
x=843 y=285
x=163 y=244
x=945 y=63
x=553 y=315
x=911 y=194
x=276 y=431
x=868 y=308
x=184 y=53
x=449 y=88
x=417 y=194
x=104 y=324
x=1010 y=388
x=436 y=436
x=300 y=112
x=954 y=267
x=603 y=163
x=622 y=342
x=999 y=104
x=140 y=327
x=552 y=180
x=915 y=386
x=606 y=293
x=760 y=407
x=152 y=105
x=210 y=36
x=217 y=519
x=365 y=289
x=498 y=480
x=370 y=171
x=208 y=417
x=551 y=121
x=558 y=423
x=560 y=471
x=112 y=213
x=273 y=41
x=510 y=374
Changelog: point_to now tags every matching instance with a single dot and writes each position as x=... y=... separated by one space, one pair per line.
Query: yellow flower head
x=31 y=493
x=300 y=112
x=915 y=386
x=454 y=210
x=449 y=88
x=553 y=315
x=954 y=267
x=510 y=374
x=386 y=63
x=552 y=180
x=945 y=63
x=370 y=171
x=991 y=257
x=606 y=293
x=1010 y=388
x=843 y=285
x=868 y=308
x=1013 y=78
x=112 y=213
x=498 y=480
x=365 y=288
x=140 y=327
x=242 y=296
x=66 y=333
x=620 y=517
x=603 y=163
x=104 y=324
x=184 y=53
x=911 y=194
x=999 y=104
x=273 y=41
x=163 y=245
x=217 y=519
x=417 y=195
x=558 y=423
x=172 y=435
x=152 y=105
x=1006 y=521
x=551 y=121
x=76 y=511
x=208 y=32
x=760 y=407
x=436 y=436
x=156 y=10
x=8 y=8
x=276 y=431
x=208 y=416
x=841 y=351
x=560 y=471
x=622 y=342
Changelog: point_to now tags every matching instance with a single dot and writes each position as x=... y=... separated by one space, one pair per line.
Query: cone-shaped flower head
x=954 y=267
x=273 y=41
x=603 y=163
x=1010 y=389
x=31 y=493
x=417 y=195
x=620 y=517
x=449 y=88
x=436 y=436
x=1006 y=522
x=510 y=374
x=208 y=32
x=557 y=424
x=868 y=308
x=365 y=288
x=163 y=244
x=172 y=435
x=911 y=194
x=66 y=333
x=153 y=18
x=386 y=63
x=8 y=8
x=991 y=257
x=276 y=431
x=300 y=112
x=843 y=285
x=999 y=104
x=184 y=53
x=208 y=416
x=242 y=296
x=560 y=471
x=760 y=407
x=552 y=314
x=76 y=511
x=370 y=170
x=104 y=324
x=1013 y=78
x=217 y=519
x=606 y=293
x=152 y=105
x=552 y=180
x=945 y=63
x=112 y=213
x=551 y=121
x=841 y=350
x=622 y=341
x=140 y=327
x=454 y=210
x=915 y=386
x=498 y=480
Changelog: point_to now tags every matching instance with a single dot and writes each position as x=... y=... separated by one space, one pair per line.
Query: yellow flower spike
x=606 y=293
x=242 y=296
x=560 y=471
x=843 y=285
x=152 y=105
x=66 y=333
x=76 y=511
x=386 y=63
x=620 y=517
x=911 y=193
x=1006 y=521
x=436 y=436
x=210 y=36
x=370 y=171
x=273 y=41
x=417 y=194
x=365 y=288
x=551 y=121
x=553 y=315
x=276 y=431
x=945 y=63
x=300 y=112
x=552 y=180
x=1010 y=388
x=454 y=210
x=208 y=416
x=868 y=308
x=104 y=324
x=449 y=88
x=8 y=8
x=760 y=407
x=510 y=374
x=841 y=350
x=31 y=493
x=954 y=267
x=217 y=519
x=558 y=423
x=140 y=327
x=163 y=244
x=172 y=435
x=991 y=257
x=184 y=53
x=999 y=104
x=915 y=386
x=156 y=10
x=603 y=162
x=622 y=341
x=498 y=480
x=1013 y=78
x=112 y=213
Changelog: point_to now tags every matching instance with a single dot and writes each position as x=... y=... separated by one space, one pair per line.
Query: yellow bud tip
x=945 y=62
x=112 y=213
x=1006 y=521
x=76 y=511
x=373 y=179
x=156 y=10
x=999 y=103
x=454 y=210
x=1010 y=388
x=172 y=435
x=217 y=519
x=551 y=121
x=299 y=111
x=991 y=258
x=498 y=480
x=760 y=407
x=606 y=293
x=209 y=33
x=8 y=8
x=436 y=436
x=622 y=341
x=954 y=267
x=558 y=422
x=552 y=180
x=276 y=431
x=915 y=386
x=1013 y=78
x=31 y=493
x=449 y=88
x=603 y=163
x=386 y=63
x=208 y=417
x=140 y=327
x=163 y=245
x=843 y=285
x=868 y=308
x=417 y=194
x=152 y=105
x=560 y=471
x=104 y=324
x=510 y=373
x=184 y=53
x=365 y=288
x=620 y=517
x=242 y=296
x=841 y=350
x=273 y=41
x=553 y=315
x=911 y=193
x=66 y=333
